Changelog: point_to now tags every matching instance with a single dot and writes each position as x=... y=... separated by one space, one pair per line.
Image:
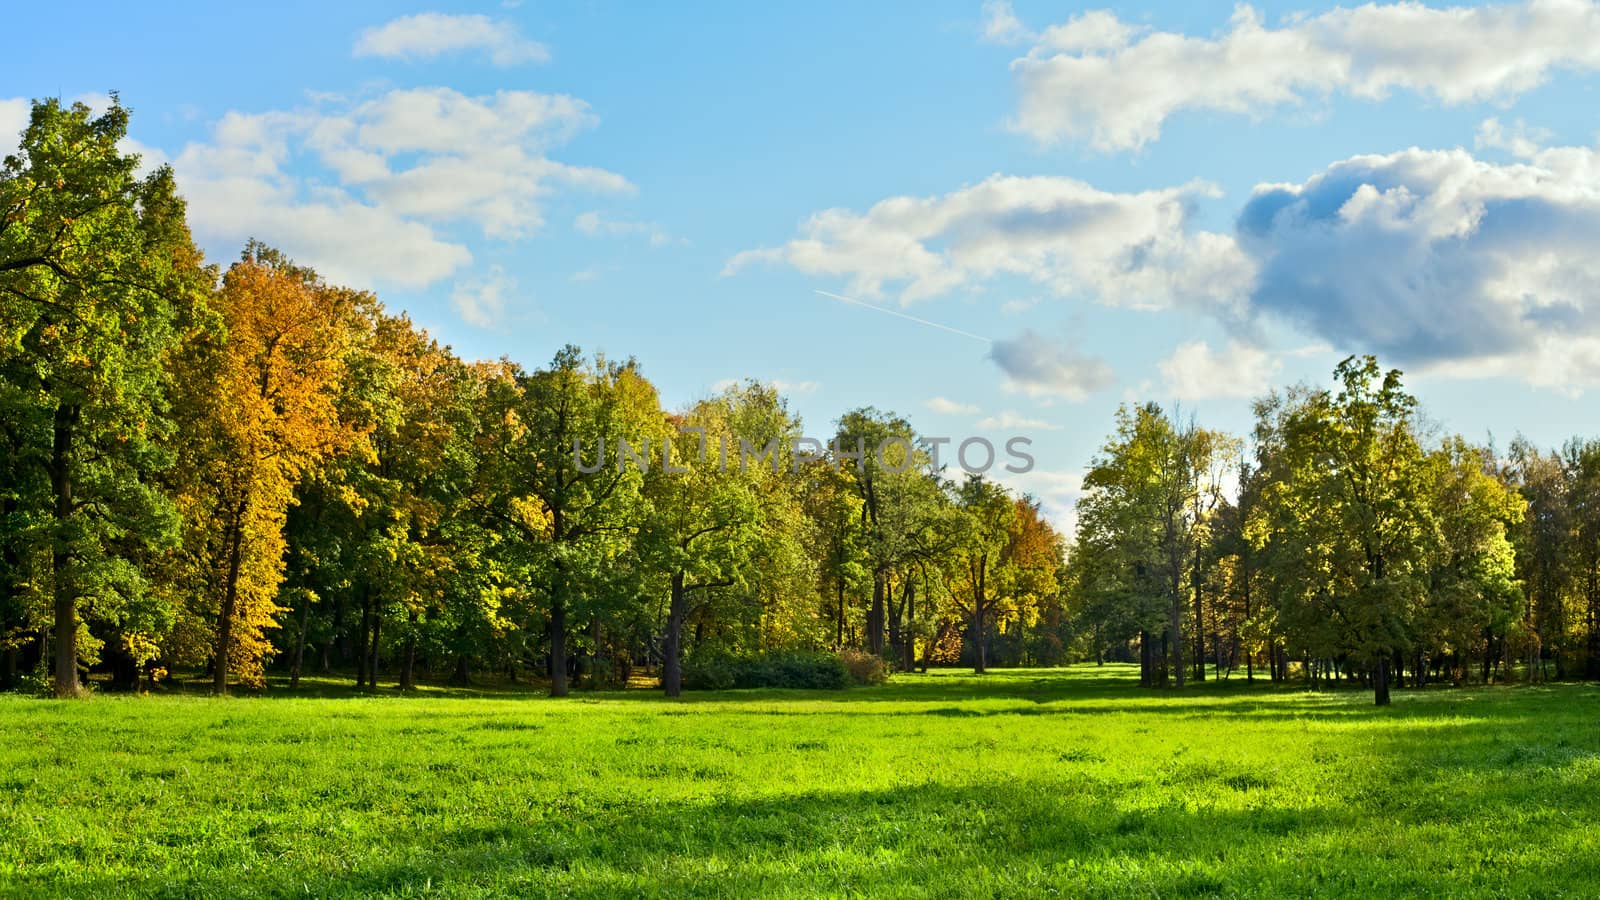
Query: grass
x=1026 y=783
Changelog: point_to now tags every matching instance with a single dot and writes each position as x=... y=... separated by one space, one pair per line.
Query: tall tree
x=98 y=280
x=263 y=412
x=529 y=485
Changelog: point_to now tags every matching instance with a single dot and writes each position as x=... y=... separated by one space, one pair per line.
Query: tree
x=986 y=517
x=709 y=518
x=528 y=484
x=99 y=280
x=264 y=412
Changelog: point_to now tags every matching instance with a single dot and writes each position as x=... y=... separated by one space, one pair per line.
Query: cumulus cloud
x=950 y=407
x=1435 y=258
x=1195 y=372
x=1126 y=249
x=1040 y=367
x=1114 y=83
x=430 y=35
x=363 y=189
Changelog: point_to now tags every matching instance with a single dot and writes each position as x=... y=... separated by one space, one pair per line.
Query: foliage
x=713 y=669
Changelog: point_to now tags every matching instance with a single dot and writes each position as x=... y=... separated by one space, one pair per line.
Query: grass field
x=1024 y=783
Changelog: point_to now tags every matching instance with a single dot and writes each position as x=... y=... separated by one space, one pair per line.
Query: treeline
x=230 y=471
x=1348 y=542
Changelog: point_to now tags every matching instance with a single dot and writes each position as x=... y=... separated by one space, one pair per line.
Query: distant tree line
x=234 y=472
x=1347 y=542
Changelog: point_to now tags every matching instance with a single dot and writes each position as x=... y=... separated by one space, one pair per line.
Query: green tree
x=98 y=281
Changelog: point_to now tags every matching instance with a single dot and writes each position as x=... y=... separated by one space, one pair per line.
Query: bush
x=865 y=668
x=716 y=670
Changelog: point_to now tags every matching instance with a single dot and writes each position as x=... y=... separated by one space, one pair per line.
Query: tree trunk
x=838 y=638
x=363 y=656
x=1175 y=636
x=908 y=636
x=230 y=602
x=408 y=666
x=66 y=601
x=1147 y=665
x=672 y=663
x=875 y=615
x=300 y=645
x=980 y=610
x=1380 y=682
x=377 y=624
x=1200 y=623
x=558 y=635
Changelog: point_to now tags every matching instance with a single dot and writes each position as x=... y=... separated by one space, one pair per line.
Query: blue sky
x=655 y=181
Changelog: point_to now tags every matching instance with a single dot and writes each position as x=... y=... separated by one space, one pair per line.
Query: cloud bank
x=1112 y=83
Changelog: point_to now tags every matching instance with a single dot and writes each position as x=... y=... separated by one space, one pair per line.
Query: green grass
x=1029 y=783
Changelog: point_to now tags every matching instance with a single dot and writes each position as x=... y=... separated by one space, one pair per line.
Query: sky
x=1092 y=205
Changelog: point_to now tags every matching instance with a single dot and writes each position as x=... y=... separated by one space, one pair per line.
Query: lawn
x=1068 y=782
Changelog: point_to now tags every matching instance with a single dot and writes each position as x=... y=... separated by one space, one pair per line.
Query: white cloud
x=1195 y=372
x=13 y=121
x=1001 y=25
x=1057 y=492
x=1126 y=249
x=777 y=384
x=1114 y=83
x=362 y=189
x=795 y=387
x=950 y=407
x=1008 y=419
x=1437 y=259
x=1519 y=139
x=594 y=224
x=427 y=36
x=482 y=302
x=1039 y=367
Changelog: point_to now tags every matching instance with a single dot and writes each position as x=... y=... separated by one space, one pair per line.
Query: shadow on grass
x=1076 y=837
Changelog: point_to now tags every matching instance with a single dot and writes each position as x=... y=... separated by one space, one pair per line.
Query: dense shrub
x=716 y=670
x=865 y=668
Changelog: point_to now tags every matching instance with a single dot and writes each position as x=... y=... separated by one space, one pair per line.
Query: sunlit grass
x=1071 y=782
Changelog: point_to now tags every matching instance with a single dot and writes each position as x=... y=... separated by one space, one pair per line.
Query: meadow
x=1069 y=782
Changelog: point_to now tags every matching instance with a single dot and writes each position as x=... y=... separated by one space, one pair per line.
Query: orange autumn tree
x=263 y=405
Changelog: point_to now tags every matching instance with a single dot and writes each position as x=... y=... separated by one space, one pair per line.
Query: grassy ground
x=1067 y=782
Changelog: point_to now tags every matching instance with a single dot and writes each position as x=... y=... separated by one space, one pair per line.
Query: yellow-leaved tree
x=262 y=409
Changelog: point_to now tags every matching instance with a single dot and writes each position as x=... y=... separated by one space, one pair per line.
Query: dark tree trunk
x=374 y=647
x=363 y=655
x=1147 y=675
x=1200 y=624
x=230 y=602
x=875 y=615
x=838 y=638
x=1380 y=682
x=300 y=644
x=980 y=611
x=672 y=662
x=66 y=601
x=408 y=665
x=908 y=637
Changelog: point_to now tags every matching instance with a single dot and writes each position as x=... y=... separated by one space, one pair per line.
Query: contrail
x=843 y=299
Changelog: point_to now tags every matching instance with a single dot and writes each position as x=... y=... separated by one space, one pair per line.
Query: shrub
x=865 y=668
x=714 y=670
